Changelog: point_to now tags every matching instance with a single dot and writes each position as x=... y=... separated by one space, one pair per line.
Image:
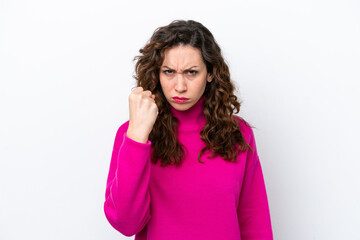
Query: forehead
x=183 y=57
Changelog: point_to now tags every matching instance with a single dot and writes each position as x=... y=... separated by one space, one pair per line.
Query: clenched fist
x=143 y=113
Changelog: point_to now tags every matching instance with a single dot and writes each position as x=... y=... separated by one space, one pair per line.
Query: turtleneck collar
x=192 y=119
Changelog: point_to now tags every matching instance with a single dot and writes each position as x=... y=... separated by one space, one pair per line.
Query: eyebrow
x=184 y=69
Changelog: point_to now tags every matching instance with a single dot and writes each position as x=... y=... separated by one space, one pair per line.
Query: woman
x=183 y=166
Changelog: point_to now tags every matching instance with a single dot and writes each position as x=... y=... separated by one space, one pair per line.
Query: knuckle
x=132 y=96
x=137 y=90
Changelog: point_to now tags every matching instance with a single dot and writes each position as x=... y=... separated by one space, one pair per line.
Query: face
x=183 y=76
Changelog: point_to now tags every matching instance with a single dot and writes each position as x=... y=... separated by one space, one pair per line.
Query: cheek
x=199 y=86
x=164 y=86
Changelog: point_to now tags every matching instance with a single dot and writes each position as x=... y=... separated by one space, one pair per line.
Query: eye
x=168 y=71
x=192 y=72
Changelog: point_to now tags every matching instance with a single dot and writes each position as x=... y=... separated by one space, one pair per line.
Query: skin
x=182 y=74
x=143 y=112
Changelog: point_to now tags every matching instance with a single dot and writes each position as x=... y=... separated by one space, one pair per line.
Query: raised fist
x=143 y=112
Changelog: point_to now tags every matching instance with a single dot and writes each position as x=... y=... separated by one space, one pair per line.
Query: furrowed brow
x=184 y=69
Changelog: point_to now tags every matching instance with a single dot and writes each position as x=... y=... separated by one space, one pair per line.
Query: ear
x=209 y=77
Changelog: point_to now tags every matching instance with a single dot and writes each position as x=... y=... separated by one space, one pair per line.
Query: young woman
x=184 y=167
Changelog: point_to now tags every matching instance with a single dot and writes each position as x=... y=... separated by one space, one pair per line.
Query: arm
x=253 y=210
x=127 y=197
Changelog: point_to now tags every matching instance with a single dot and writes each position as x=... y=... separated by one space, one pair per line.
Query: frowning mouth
x=180 y=99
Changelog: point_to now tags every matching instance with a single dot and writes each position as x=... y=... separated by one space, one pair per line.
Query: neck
x=192 y=119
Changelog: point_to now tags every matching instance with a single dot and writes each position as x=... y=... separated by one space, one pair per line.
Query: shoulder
x=245 y=128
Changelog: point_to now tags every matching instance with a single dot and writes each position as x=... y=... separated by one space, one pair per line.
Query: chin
x=181 y=106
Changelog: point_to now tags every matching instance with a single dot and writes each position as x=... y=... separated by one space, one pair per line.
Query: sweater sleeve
x=127 y=197
x=253 y=210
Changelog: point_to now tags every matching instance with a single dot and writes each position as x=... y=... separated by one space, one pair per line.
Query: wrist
x=137 y=135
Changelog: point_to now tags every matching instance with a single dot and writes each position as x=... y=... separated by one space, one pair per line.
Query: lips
x=180 y=99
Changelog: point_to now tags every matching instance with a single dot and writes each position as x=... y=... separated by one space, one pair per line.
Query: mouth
x=180 y=99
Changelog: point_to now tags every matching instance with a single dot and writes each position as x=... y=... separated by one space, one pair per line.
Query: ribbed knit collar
x=192 y=119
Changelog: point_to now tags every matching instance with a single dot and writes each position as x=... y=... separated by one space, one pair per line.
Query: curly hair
x=221 y=132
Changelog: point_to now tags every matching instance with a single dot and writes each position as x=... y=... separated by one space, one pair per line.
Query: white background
x=66 y=72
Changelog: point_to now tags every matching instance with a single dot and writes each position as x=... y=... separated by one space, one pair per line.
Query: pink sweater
x=212 y=201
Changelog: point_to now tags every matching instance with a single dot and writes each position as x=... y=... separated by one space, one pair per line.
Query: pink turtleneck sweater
x=214 y=200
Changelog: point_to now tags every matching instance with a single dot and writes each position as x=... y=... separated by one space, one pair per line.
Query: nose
x=180 y=85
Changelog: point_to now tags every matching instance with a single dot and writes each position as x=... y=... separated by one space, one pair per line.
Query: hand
x=143 y=112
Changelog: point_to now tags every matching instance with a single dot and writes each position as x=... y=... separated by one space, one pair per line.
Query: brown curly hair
x=221 y=132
